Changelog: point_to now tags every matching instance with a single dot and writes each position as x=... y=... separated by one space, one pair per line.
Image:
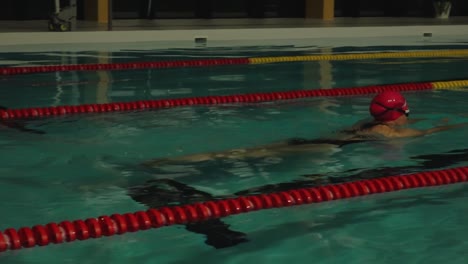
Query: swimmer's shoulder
x=381 y=129
x=370 y=131
x=364 y=128
x=396 y=131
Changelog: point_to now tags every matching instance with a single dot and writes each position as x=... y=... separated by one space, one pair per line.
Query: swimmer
x=389 y=110
x=390 y=116
x=18 y=126
x=159 y=193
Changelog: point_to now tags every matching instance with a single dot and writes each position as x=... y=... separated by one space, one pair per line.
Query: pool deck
x=29 y=33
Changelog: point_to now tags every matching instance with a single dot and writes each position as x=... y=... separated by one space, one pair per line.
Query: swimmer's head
x=388 y=106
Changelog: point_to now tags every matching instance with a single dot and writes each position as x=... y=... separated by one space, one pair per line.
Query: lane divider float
x=231 y=61
x=118 y=224
x=40 y=112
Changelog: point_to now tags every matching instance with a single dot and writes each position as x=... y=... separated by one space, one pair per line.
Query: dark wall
x=40 y=9
x=25 y=9
x=209 y=9
x=394 y=8
x=460 y=8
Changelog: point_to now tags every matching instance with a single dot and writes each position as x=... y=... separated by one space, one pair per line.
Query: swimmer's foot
x=218 y=234
x=34 y=131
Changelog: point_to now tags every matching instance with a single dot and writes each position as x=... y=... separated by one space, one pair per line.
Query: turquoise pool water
x=84 y=165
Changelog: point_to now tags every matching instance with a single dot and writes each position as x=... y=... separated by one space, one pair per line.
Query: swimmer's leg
x=427 y=161
x=166 y=192
x=436 y=161
x=217 y=233
x=18 y=126
x=21 y=127
x=194 y=158
x=280 y=187
x=238 y=154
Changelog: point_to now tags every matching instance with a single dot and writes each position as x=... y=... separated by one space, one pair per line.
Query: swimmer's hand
x=447 y=127
x=445 y=120
x=442 y=122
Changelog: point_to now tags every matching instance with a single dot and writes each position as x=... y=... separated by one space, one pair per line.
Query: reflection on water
x=89 y=162
x=64 y=88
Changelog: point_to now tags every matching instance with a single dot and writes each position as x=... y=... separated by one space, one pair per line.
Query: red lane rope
x=123 y=66
x=117 y=224
x=231 y=61
x=38 y=112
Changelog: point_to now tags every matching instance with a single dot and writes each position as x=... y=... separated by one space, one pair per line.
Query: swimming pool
x=84 y=165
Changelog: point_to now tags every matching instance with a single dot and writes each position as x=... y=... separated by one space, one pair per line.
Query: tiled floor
x=174 y=24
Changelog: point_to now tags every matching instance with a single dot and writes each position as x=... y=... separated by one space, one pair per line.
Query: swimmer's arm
x=410 y=132
x=443 y=128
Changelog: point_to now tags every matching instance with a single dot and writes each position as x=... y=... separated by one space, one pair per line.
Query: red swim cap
x=388 y=106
